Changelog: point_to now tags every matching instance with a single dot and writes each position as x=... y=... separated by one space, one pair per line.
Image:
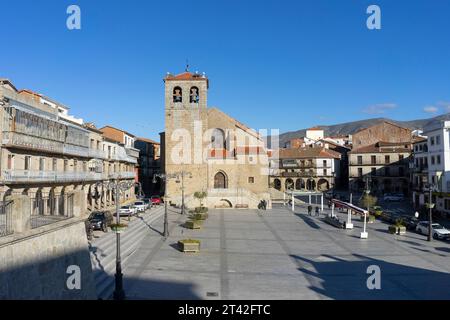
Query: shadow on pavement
x=347 y=279
x=309 y=221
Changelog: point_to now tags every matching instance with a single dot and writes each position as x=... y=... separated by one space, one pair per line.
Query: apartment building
x=149 y=165
x=312 y=168
x=419 y=171
x=385 y=164
x=54 y=162
x=438 y=168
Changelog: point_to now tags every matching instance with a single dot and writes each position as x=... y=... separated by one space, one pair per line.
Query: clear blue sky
x=271 y=64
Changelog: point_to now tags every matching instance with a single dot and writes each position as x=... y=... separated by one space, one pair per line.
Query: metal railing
x=49 y=176
x=99 y=154
x=6 y=219
x=48 y=210
x=21 y=140
x=121 y=175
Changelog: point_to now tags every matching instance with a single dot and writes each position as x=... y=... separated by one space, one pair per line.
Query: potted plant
x=118 y=227
x=201 y=210
x=398 y=228
x=189 y=245
x=370 y=218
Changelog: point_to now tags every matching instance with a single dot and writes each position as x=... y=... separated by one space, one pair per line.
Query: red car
x=156 y=200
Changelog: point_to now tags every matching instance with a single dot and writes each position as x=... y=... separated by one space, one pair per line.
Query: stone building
x=54 y=160
x=419 y=171
x=149 y=165
x=313 y=168
x=384 y=131
x=216 y=153
x=385 y=163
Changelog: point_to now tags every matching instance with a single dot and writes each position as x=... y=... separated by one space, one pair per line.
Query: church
x=205 y=150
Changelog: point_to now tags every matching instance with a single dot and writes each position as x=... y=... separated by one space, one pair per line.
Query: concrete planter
x=200 y=216
x=192 y=246
x=193 y=224
x=370 y=219
x=397 y=230
x=118 y=228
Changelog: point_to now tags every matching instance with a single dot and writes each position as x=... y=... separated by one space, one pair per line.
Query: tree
x=200 y=196
x=368 y=201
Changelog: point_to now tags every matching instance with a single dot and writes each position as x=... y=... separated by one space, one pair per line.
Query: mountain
x=352 y=127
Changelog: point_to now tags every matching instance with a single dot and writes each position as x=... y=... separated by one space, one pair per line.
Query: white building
x=438 y=144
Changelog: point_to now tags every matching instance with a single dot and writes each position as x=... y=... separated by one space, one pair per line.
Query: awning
x=349 y=206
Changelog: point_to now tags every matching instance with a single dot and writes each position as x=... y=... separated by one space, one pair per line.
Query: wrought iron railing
x=6 y=219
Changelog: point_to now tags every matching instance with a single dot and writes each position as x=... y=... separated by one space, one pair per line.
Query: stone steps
x=104 y=259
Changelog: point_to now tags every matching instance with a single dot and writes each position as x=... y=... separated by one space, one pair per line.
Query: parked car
x=127 y=210
x=393 y=197
x=438 y=231
x=147 y=202
x=140 y=206
x=100 y=220
x=389 y=216
x=156 y=200
x=410 y=222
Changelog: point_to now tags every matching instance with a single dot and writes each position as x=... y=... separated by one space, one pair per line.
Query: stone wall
x=35 y=265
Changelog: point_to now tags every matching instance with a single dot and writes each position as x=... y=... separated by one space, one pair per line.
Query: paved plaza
x=276 y=254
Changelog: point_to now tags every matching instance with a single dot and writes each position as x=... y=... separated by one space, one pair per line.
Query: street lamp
x=182 y=174
x=119 y=187
x=430 y=205
x=163 y=177
x=364 y=234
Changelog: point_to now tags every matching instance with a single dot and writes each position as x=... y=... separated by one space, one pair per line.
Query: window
x=325 y=172
x=387 y=172
x=251 y=180
x=66 y=164
x=373 y=159
x=54 y=164
x=387 y=159
x=194 y=95
x=324 y=163
x=10 y=161
x=75 y=165
x=27 y=165
x=41 y=164
x=432 y=160
x=432 y=141
x=177 y=94
x=438 y=140
x=359 y=160
x=438 y=159
x=360 y=172
x=84 y=166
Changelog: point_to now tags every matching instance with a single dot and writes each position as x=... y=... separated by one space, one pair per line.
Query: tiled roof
x=147 y=140
x=383 y=147
x=185 y=76
x=308 y=153
x=314 y=129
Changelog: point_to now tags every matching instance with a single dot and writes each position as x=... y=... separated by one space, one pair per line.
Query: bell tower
x=186 y=97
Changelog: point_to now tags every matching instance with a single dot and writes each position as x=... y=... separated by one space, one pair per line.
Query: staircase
x=103 y=250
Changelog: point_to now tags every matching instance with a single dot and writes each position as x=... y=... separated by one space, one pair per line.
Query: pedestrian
x=309 y=210
x=329 y=204
x=317 y=211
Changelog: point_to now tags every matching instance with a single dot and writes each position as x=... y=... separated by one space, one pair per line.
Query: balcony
x=23 y=141
x=97 y=154
x=121 y=175
x=132 y=152
x=28 y=176
x=78 y=151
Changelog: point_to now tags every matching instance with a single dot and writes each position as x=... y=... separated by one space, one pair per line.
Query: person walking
x=309 y=210
x=317 y=212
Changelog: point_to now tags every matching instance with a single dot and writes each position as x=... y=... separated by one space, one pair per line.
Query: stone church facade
x=205 y=150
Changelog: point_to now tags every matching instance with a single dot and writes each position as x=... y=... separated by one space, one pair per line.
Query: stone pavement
x=276 y=254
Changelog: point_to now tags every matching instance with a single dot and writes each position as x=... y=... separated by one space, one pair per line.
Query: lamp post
x=182 y=174
x=430 y=205
x=364 y=234
x=118 y=187
x=163 y=177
